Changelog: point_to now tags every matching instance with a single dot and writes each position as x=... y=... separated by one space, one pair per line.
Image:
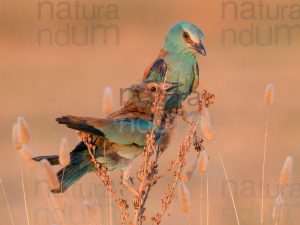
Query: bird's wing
x=196 y=77
x=123 y=131
x=156 y=71
x=82 y=124
x=130 y=112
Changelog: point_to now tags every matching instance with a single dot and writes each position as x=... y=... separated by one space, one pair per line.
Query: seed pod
x=23 y=130
x=207 y=131
x=203 y=161
x=27 y=154
x=50 y=174
x=269 y=94
x=286 y=172
x=15 y=137
x=64 y=153
x=107 y=101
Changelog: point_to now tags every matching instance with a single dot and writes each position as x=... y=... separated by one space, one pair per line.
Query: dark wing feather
x=156 y=71
x=80 y=123
x=196 y=77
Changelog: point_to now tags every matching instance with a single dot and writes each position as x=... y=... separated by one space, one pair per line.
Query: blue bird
x=177 y=61
x=118 y=139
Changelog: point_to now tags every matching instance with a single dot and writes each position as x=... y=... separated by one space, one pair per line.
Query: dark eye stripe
x=187 y=37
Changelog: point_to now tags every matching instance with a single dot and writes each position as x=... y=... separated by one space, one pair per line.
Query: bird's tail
x=70 y=175
x=80 y=164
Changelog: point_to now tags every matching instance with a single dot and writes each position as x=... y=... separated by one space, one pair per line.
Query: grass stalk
x=7 y=203
x=29 y=196
x=229 y=188
x=24 y=192
x=263 y=169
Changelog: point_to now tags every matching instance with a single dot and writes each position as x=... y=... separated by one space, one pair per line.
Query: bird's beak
x=199 y=47
x=170 y=86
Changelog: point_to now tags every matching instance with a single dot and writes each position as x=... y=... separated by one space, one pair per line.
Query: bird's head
x=146 y=92
x=185 y=37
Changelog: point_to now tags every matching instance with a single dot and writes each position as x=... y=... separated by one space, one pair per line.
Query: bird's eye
x=187 y=37
x=153 y=89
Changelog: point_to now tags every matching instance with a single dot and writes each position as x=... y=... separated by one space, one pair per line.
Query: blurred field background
x=44 y=82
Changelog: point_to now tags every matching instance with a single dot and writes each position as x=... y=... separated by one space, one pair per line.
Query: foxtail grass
x=269 y=99
x=269 y=94
x=286 y=172
x=207 y=131
x=284 y=180
x=23 y=130
x=50 y=174
x=107 y=101
x=64 y=152
x=27 y=154
x=15 y=137
x=21 y=137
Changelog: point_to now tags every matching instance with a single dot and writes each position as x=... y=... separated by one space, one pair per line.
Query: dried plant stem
x=177 y=174
x=29 y=195
x=149 y=168
x=144 y=189
x=229 y=188
x=24 y=191
x=277 y=209
x=263 y=169
x=106 y=180
x=277 y=215
x=7 y=204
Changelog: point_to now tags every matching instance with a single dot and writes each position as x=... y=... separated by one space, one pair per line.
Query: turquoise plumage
x=177 y=61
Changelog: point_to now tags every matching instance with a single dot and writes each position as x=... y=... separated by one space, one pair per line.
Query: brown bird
x=117 y=139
